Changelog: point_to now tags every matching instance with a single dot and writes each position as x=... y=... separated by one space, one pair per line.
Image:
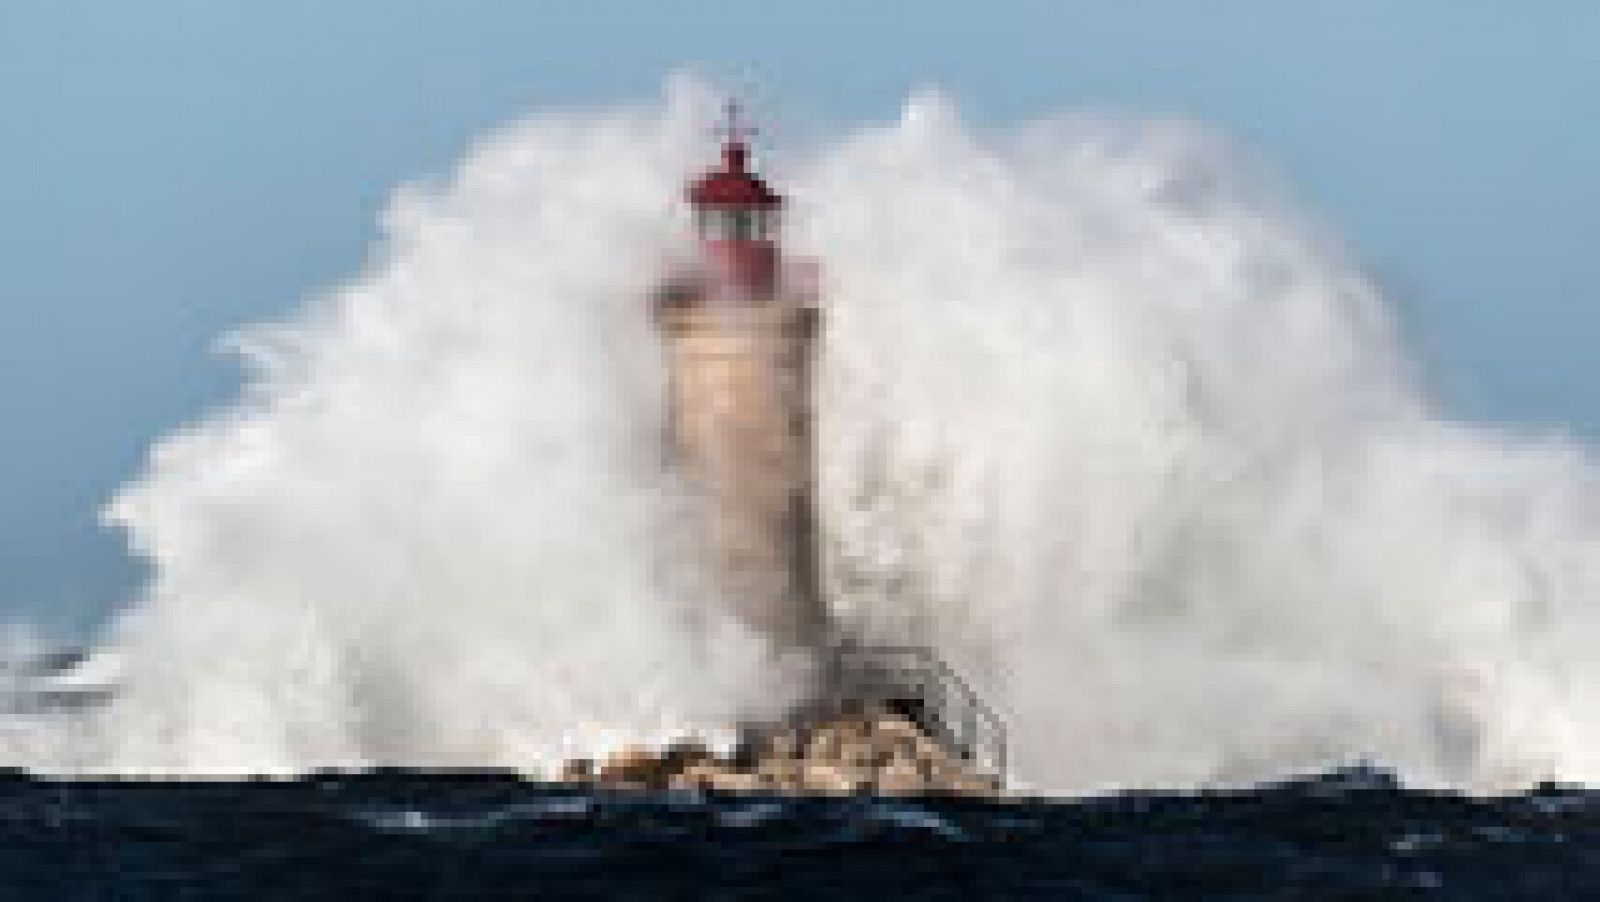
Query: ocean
x=1352 y=834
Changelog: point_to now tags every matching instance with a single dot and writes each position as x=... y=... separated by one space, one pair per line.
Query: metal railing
x=918 y=684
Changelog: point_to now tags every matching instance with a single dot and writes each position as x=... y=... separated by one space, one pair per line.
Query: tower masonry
x=739 y=323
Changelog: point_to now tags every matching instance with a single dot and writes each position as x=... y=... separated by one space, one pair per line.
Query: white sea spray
x=1101 y=419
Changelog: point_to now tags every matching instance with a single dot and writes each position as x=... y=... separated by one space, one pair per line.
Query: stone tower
x=738 y=325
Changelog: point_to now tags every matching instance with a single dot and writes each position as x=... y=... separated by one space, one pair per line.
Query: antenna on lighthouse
x=735 y=133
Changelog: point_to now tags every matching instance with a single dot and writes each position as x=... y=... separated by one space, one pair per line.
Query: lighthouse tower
x=738 y=324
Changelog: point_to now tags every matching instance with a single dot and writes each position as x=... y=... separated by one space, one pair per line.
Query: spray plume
x=1101 y=420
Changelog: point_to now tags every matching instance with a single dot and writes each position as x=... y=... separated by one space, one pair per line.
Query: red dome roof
x=732 y=185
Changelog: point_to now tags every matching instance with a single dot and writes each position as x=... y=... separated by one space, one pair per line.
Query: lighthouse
x=739 y=325
x=738 y=322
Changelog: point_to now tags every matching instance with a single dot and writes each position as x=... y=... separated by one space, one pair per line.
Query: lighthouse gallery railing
x=928 y=691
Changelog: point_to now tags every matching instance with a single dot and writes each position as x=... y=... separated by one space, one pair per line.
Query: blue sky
x=172 y=168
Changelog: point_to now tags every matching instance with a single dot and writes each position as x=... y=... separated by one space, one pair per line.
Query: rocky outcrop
x=866 y=751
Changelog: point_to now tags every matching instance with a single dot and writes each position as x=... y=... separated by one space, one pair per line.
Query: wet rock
x=900 y=778
x=634 y=766
x=785 y=745
x=578 y=770
x=684 y=755
x=860 y=751
x=736 y=781
x=785 y=773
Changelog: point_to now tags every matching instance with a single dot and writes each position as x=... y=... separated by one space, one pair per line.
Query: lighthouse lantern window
x=736 y=224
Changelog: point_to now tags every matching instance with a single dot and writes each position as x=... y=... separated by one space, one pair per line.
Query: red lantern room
x=736 y=220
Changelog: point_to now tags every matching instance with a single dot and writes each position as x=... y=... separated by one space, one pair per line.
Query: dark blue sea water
x=1349 y=835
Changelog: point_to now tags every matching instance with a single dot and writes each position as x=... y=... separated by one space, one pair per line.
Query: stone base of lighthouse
x=865 y=749
x=739 y=432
